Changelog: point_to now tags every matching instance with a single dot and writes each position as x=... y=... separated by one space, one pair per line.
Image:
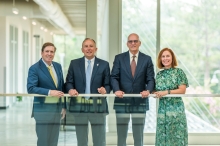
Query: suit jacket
x=121 y=79
x=76 y=79
x=40 y=82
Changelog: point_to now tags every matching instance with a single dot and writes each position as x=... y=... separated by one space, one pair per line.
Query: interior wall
x=23 y=25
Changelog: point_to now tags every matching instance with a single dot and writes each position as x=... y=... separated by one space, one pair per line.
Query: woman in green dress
x=171 y=119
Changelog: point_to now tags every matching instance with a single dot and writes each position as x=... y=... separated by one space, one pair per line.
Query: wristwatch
x=168 y=91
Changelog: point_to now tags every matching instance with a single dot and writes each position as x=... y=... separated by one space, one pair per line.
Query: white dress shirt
x=131 y=57
x=92 y=64
x=54 y=72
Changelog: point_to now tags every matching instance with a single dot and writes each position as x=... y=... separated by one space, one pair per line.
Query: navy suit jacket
x=40 y=82
x=76 y=79
x=121 y=79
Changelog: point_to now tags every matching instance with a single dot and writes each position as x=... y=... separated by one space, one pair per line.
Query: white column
x=91 y=32
x=103 y=31
x=115 y=23
x=3 y=61
x=91 y=19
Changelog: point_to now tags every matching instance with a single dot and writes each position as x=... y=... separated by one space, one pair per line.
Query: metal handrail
x=113 y=95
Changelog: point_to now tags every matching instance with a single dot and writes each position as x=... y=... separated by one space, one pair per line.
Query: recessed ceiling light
x=34 y=23
x=15 y=10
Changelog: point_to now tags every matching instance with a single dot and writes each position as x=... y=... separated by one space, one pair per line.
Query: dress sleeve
x=182 y=79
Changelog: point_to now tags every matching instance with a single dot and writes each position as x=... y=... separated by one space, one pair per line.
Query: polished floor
x=18 y=129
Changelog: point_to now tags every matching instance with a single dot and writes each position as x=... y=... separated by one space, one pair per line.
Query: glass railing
x=18 y=128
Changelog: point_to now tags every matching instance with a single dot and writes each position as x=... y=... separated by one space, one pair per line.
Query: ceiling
x=63 y=16
x=73 y=12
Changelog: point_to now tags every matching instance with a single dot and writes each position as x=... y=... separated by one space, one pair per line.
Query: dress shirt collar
x=47 y=64
x=92 y=60
x=131 y=55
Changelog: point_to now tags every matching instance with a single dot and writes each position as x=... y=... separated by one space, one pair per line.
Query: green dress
x=171 y=119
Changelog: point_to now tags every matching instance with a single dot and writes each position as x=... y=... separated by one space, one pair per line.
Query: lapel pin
x=97 y=64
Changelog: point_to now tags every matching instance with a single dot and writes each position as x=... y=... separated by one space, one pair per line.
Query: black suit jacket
x=76 y=79
x=121 y=79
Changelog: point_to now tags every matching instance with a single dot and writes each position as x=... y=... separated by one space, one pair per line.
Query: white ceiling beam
x=53 y=11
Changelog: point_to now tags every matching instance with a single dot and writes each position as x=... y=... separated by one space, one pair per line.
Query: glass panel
x=15 y=60
x=13 y=43
x=190 y=29
x=11 y=57
x=25 y=57
x=17 y=126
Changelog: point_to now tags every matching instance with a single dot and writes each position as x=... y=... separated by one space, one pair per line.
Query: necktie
x=52 y=75
x=88 y=79
x=50 y=99
x=133 y=66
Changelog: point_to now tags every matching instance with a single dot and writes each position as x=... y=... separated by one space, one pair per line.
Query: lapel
x=127 y=64
x=82 y=68
x=95 y=68
x=45 y=71
x=139 y=64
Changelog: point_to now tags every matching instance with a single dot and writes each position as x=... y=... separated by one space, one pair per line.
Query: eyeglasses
x=131 y=41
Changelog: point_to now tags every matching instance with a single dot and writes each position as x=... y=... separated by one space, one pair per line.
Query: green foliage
x=68 y=47
x=192 y=30
x=19 y=98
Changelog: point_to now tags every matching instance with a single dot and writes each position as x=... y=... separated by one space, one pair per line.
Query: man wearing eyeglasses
x=132 y=73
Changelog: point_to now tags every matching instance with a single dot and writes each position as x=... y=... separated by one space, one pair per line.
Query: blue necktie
x=88 y=79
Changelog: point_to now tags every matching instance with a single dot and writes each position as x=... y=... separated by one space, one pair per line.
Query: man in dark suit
x=45 y=77
x=132 y=73
x=86 y=75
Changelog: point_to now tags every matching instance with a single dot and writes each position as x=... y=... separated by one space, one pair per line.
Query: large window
x=13 y=68
x=139 y=16
x=191 y=29
x=67 y=49
x=25 y=57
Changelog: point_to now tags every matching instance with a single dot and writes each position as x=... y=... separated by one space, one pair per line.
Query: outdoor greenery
x=191 y=28
x=69 y=48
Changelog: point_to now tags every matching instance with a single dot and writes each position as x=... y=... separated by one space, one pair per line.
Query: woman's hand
x=160 y=94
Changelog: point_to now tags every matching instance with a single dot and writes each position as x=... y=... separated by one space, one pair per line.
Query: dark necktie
x=133 y=65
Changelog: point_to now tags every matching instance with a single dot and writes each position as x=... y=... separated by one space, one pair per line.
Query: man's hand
x=119 y=94
x=63 y=113
x=145 y=94
x=73 y=92
x=101 y=90
x=56 y=93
